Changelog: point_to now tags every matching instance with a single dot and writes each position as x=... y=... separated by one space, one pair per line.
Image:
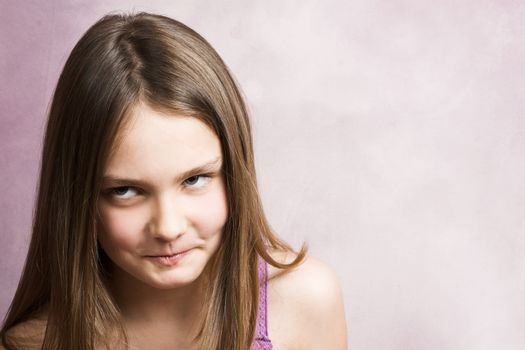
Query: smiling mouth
x=168 y=255
x=168 y=260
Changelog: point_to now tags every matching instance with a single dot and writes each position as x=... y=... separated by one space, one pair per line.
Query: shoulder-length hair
x=121 y=61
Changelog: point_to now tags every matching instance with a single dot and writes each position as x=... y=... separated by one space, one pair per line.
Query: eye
x=197 y=181
x=120 y=192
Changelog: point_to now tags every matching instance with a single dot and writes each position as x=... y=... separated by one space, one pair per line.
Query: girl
x=149 y=231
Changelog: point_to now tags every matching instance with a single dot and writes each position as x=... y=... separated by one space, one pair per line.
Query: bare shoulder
x=311 y=279
x=306 y=308
x=28 y=334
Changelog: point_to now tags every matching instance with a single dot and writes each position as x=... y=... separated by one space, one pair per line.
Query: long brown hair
x=123 y=60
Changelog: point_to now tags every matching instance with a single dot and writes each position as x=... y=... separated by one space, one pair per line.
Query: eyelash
x=112 y=191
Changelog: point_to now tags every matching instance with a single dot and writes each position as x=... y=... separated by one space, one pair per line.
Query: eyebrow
x=207 y=167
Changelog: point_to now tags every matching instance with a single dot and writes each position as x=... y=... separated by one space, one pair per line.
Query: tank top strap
x=262 y=341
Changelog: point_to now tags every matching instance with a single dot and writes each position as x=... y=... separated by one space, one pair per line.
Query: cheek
x=118 y=229
x=209 y=213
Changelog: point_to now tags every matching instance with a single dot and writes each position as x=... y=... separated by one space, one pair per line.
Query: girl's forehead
x=151 y=138
x=142 y=115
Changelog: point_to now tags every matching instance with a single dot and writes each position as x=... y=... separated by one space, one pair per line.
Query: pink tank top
x=261 y=341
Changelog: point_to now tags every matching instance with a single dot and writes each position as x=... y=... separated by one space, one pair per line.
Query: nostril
x=169 y=228
x=168 y=220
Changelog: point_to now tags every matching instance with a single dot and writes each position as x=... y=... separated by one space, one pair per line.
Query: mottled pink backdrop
x=390 y=135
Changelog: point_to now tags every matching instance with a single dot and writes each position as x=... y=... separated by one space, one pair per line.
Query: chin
x=174 y=279
x=171 y=284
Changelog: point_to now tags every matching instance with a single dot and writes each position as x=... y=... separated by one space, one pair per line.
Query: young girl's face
x=163 y=203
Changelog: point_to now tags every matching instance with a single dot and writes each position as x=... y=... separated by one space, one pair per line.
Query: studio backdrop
x=389 y=135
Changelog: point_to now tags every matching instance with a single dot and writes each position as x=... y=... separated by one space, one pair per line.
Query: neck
x=141 y=304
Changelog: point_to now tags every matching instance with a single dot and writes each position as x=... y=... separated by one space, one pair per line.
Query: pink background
x=389 y=135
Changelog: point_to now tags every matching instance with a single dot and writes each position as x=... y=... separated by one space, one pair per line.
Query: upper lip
x=169 y=253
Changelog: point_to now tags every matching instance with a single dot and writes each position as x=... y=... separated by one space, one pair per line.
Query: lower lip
x=171 y=260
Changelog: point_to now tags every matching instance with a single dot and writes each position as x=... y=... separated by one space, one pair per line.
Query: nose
x=169 y=221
